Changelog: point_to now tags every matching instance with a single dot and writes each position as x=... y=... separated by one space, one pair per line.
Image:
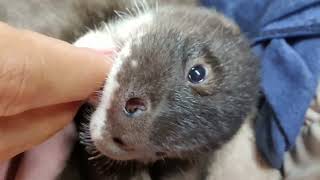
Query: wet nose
x=135 y=107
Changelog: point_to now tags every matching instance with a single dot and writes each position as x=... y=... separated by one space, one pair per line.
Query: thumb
x=37 y=71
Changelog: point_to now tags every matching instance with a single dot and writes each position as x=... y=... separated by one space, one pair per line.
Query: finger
x=36 y=71
x=21 y=132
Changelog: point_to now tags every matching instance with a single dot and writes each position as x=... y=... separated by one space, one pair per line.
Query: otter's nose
x=135 y=107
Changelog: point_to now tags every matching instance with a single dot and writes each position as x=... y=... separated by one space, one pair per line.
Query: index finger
x=37 y=71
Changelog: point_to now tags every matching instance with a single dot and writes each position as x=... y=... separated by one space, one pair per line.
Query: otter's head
x=183 y=81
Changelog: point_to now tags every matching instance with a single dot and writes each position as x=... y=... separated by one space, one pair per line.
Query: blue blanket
x=285 y=35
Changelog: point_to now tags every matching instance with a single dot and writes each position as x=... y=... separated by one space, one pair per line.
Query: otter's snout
x=126 y=130
x=133 y=108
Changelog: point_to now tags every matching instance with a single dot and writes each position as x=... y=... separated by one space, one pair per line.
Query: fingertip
x=95 y=67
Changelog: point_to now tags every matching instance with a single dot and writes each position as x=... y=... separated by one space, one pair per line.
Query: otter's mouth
x=115 y=150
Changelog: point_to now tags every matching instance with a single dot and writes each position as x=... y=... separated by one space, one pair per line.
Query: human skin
x=43 y=82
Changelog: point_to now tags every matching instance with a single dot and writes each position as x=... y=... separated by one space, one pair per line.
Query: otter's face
x=176 y=87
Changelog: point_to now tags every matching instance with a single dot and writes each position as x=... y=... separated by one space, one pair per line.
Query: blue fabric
x=285 y=35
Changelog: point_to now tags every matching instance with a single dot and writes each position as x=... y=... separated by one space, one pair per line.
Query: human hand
x=43 y=82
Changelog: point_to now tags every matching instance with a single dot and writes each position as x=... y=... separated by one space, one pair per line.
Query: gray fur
x=188 y=123
x=206 y=115
x=65 y=19
x=185 y=122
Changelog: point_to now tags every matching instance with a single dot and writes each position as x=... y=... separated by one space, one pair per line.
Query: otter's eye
x=197 y=74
